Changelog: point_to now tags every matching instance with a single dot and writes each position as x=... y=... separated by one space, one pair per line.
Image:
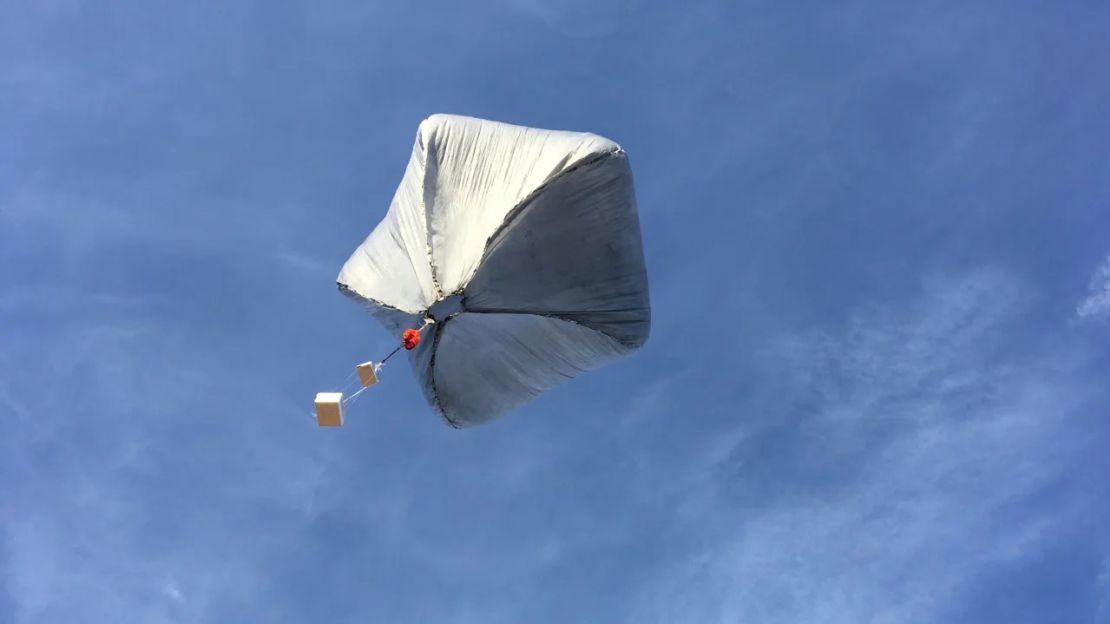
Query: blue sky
x=878 y=238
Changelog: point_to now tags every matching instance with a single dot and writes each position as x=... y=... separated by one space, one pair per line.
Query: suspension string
x=352 y=377
x=354 y=396
x=386 y=358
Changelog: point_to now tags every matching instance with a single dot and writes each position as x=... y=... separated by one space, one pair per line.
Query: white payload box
x=367 y=374
x=329 y=409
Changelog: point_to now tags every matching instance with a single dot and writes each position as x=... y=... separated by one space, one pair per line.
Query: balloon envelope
x=523 y=245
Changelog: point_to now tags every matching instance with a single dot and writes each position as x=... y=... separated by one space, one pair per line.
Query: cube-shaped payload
x=367 y=374
x=329 y=409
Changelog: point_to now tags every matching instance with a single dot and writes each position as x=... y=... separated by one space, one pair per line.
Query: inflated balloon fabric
x=524 y=246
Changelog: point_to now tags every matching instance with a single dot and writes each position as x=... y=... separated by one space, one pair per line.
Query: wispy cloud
x=1097 y=303
x=578 y=18
x=914 y=465
x=1103 y=611
x=307 y=264
x=121 y=506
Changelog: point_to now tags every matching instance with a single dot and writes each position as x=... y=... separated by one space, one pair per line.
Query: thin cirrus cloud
x=928 y=449
x=1097 y=303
